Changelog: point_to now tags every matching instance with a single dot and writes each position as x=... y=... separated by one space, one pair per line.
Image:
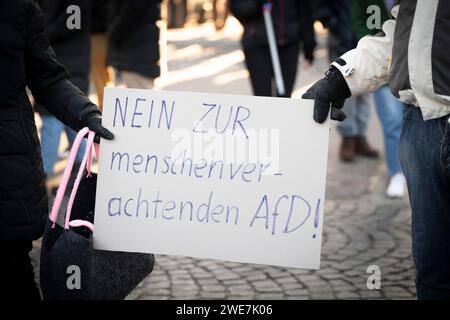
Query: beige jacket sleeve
x=366 y=67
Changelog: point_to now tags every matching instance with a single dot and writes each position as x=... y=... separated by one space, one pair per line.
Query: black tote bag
x=70 y=266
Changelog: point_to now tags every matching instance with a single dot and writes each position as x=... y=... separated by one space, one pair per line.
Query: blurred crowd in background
x=119 y=44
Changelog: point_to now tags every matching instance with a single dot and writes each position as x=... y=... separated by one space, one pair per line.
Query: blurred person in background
x=177 y=12
x=72 y=47
x=27 y=60
x=388 y=108
x=99 y=22
x=221 y=10
x=133 y=42
x=293 y=24
x=336 y=16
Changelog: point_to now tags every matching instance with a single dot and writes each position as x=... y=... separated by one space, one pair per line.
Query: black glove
x=331 y=91
x=93 y=121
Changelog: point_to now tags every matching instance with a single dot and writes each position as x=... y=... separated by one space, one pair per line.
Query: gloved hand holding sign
x=331 y=91
x=93 y=121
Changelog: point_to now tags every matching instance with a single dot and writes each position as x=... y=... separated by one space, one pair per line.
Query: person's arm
x=365 y=68
x=130 y=13
x=360 y=70
x=48 y=81
x=57 y=29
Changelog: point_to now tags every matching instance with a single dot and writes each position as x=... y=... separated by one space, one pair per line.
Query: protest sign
x=236 y=178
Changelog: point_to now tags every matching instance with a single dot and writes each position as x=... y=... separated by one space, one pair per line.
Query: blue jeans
x=424 y=152
x=389 y=112
x=357 y=110
x=50 y=137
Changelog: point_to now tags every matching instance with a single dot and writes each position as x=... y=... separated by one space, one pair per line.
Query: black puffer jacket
x=72 y=47
x=26 y=59
x=134 y=36
x=292 y=21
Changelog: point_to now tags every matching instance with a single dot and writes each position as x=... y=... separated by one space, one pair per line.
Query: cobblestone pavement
x=361 y=226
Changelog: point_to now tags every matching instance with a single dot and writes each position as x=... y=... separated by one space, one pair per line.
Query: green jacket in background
x=360 y=16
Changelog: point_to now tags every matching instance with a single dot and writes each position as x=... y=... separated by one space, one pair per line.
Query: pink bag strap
x=81 y=223
x=86 y=160
x=66 y=175
x=97 y=155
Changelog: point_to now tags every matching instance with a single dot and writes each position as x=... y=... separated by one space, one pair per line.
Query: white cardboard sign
x=228 y=177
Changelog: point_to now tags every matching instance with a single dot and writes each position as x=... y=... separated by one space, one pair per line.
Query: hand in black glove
x=330 y=91
x=94 y=122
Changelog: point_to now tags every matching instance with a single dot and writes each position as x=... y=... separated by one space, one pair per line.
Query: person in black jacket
x=72 y=47
x=26 y=59
x=133 y=49
x=293 y=24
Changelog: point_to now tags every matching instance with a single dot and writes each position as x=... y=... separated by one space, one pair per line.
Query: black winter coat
x=292 y=19
x=133 y=36
x=72 y=47
x=26 y=59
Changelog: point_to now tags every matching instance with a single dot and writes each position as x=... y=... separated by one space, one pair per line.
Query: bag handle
x=97 y=155
x=86 y=160
x=81 y=223
x=66 y=175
